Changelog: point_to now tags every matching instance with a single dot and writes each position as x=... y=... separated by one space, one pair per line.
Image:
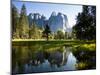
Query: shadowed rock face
x=30 y=19
x=38 y=19
x=56 y=21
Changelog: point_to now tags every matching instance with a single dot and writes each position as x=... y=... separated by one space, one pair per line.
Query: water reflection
x=86 y=59
x=51 y=58
x=33 y=59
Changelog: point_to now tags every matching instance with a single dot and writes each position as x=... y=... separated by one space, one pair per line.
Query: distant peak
x=59 y=13
x=53 y=13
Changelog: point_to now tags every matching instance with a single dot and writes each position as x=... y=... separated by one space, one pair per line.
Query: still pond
x=47 y=58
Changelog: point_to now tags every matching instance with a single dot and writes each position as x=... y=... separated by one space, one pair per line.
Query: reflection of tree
x=39 y=58
x=20 y=58
x=86 y=58
x=35 y=55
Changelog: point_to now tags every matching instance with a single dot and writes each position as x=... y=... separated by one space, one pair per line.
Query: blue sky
x=47 y=8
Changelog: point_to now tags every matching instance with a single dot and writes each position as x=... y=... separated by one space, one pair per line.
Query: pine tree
x=15 y=21
x=60 y=34
x=85 y=28
x=46 y=32
x=23 y=22
x=33 y=31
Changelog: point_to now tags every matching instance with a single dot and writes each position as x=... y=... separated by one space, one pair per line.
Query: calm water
x=37 y=59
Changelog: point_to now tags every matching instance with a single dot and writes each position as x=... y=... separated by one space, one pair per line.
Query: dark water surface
x=38 y=59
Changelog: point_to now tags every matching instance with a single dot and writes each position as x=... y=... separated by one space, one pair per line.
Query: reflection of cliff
x=55 y=58
x=38 y=58
x=25 y=57
x=58 y=58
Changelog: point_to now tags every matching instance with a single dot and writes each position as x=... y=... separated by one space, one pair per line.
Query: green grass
x=53 y=45
x=43 y=42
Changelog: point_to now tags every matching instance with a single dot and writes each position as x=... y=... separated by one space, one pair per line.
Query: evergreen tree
x=15 y=21
x=85 y=27
x=66 y=35
x=60 y=35
x=46 y=32
x=23 y=22
x=33 y=31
